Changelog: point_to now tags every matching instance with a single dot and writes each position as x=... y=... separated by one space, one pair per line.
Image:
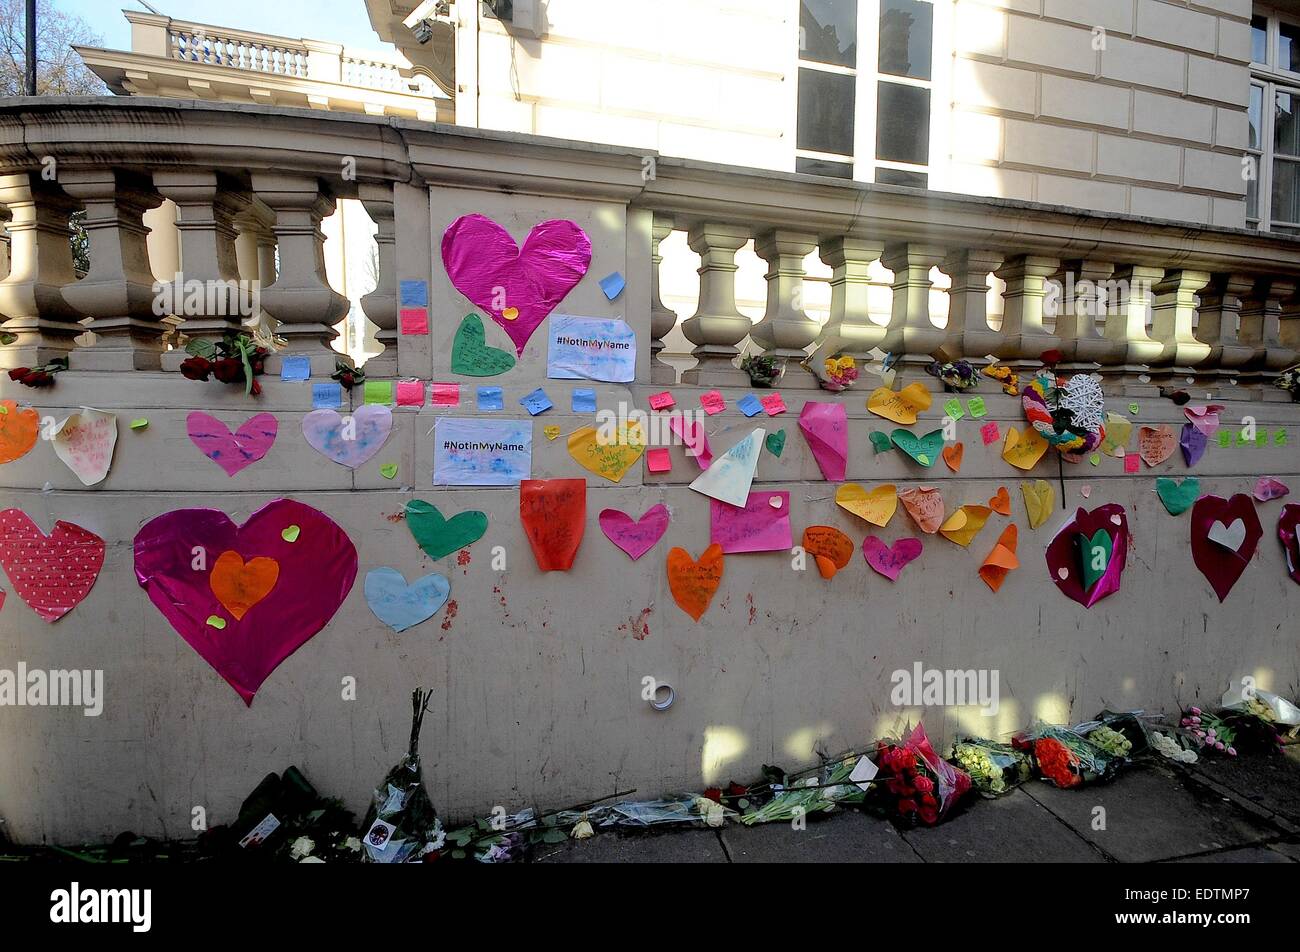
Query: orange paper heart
x=18 y=429
x=1001 y=560
x=1156 y=444
x=693 y=583
x=830 y=547
x=952 y=456
x=239 y=585
x=925 y=506
x=1001 y=501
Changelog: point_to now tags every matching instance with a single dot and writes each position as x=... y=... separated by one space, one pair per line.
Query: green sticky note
x=775 y=442
x=139 y=424
x=1095 y=459
x=1133 y=409
x=1095 y=553
x=953 y=409
x=976 y=407
x=880 y=441
x=1225 y=438
x=1279 y=437
x=470 y=354
x=388 y=470
x=379 y=391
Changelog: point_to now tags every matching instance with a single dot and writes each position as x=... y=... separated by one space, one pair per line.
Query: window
x=865 y=84
x=1273 y=182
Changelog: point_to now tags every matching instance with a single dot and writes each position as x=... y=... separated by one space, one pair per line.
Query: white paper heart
x=1230 y=537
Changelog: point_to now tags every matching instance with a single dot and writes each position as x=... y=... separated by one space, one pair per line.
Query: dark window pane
x=1288 y=47
x=901 y=177
x=906 y=29
x=1286 y=131
x=903 y=123
x=1286 y=196
x=1252 y=192
x=1256 y=116
x=1259 y=39
x=825 y=112
x=828 y=31
x=823 y=167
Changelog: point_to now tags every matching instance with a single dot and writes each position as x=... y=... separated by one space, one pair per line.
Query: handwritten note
x=554 y=514
x=590 y=348
x=472 y=452
x=761 y=525
x=85 y=441
x=414 y=320
x=712 y=402
x=662 y=401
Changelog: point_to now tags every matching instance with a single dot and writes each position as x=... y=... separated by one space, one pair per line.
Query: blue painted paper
x=326 y=396
x=295 y=368
x=613 y=284
x=590 y=348
x=474 y=452
x=584 y=401
x=489 y=398
x=536 y=402
x=749 y=405
x=401 y=606
x=414 y=293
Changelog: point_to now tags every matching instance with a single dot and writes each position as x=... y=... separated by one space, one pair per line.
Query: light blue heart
x=401 y=606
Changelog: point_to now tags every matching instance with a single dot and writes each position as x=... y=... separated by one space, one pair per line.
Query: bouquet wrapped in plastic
x=994 y=768
x=1231 y=731
x=922 y=786
x=819 y=791
x=1065 y=757
x=1265 y=705
x=1120 y=734
x=401 y=825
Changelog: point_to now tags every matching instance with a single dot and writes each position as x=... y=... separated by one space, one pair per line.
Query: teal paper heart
x=924 y=449
x=439 y=536
x=1095 y=555
x=880 y=441
x=1178 y=497
x=775 y=442
x=470 y=354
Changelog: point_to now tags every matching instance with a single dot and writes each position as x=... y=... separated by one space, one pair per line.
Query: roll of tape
x=665 y=703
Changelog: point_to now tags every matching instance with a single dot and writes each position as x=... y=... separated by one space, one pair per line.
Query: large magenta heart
x=1288 y=529
x=517 y=287
x=240 y=624
x=1065 y=557
x=1225 y=533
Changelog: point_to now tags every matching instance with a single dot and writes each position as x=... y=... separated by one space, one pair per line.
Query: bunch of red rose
x=921 y=785
x=234 y=359
x=42 y=376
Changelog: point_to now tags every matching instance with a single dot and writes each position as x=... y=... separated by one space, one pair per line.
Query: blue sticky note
x=326 y=396
x=489 y=398
x=295 y=368
x=536 y=402
x=612 y=285
x=414 y=293
x=584 y=401
x=749 y=405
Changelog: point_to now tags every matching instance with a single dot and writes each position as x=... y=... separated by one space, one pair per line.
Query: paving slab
x=1015 y=828
x=1267 y=780
x=685 y=846
x=1289 y=848
x=845 y=837
x=1246 y=854
x=1153 y=814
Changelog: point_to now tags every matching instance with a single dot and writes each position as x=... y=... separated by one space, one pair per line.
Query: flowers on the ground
x=923 y=786
x=1166 y=746
x=1065 y=757
x=1111 y=741
x=994 y=768
x=957 y=375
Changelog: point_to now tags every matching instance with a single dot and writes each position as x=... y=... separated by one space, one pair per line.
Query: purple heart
x=890 y=562
x=352 y=440
x=1064 y=559
x=1193 y=443
x=316 y=572
x=486 y=266
x=635 y=537
x=232 y=451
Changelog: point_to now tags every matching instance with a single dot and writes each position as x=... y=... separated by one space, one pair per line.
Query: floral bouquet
x=1121 y=735
x=763 y=370
x=42 y=376
x=1065 y=757
x=839 y=373
x=1009 y=379
x=958 y=376
x=402 y=826
x=994 y=768
x=818 y=792
x=236 y=358
x=1289 y=380
x=1265 y=705
x=920 y=784
x=1230 y=731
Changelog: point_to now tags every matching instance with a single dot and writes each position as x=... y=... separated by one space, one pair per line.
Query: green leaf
x=201 y=347
x=7 y=338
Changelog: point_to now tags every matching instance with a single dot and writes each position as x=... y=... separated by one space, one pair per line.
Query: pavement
x=1243 y=810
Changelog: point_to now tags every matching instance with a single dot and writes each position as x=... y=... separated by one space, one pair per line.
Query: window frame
x=1272 y=79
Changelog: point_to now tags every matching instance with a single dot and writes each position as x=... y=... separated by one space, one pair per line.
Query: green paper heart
x=1178 y=497
x=924 y=449
x=290 y=533
x=217 y=622
x=470 y=354
x=1089 y=557
x=438 y=536
x=775 y=442
x=388 y=470
x=880 y=441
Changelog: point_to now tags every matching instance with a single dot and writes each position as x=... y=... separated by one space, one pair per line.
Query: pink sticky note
x=712 y=402
x=773 y=404
x=694 y=437
x=658 y=461
x=761 y=525
x=445 y=395
x=1131 y=461
x=415 y=320
x=662 y=401
x=989 y=433
x=410 y=393
x=826 y=428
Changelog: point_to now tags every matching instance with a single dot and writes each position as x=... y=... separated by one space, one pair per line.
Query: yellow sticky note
x=1023 y=450
x=901 y=406
x=1118 y=430
x=551 y=432
x=877 y=506
x=964 y=524
x=609 y=459
x=1040 y=500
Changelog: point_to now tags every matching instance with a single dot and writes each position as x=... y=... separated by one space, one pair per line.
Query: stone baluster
x=380 y=305
x=716 y=327
x=300 y=297
x=4 y=243
x=1126 y=323
x=253 y=233
x=912 y=334
x=968 y=335
x=40 y=266
x=1172 y=316
x=786 y=330
x=1261 y=314
x=662 y=319
x=206 y=292
x=1217 y=326
x=1023 y=337
x=1082 y=301
x=119 y=291
x=849 y=331
x=1289 y=324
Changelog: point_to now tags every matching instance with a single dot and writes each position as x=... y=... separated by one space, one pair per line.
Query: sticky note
x=379 y=391
x=326 y=396
x=413 y=293
x=1133 y=409
x=1131 y=461
x=444 y=394
x=536 y=402
x=1279 y=437
x=295 y=368
x=139 y=424
x=1225 y=438
x=410 y=393
x=415 y=320
x=976 y=407
x=551 y=432
x=712 y=402
x=489 y=398
x=584 y=401
x=749 y=405
x=988 y=432
x=953 y=409
x=662 y=401
x=773 y=404
x=658 y=461
x=612 y=285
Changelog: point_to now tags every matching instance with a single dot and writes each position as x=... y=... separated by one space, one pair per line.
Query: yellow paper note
x=1023 y=450
x=876 y=506
x=901 y=406
x=1118 y=430
x=1040 y=501
x=964 y=524
x=551 y=432
x=610 y=458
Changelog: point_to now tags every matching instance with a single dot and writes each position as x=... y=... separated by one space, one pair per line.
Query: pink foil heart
x=315 y=574
x=890 y=562
x=53 y=573
x=635 y=537
x=348 y=441
x=517 y=287
x=1222 y=566
x=1288 y=528
x=1064 y=559
x=232 y=451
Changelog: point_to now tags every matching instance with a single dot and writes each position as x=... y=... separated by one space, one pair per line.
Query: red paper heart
x=1219 y=565
x=50 y=573
x=1288 y=528
x=1063 y=556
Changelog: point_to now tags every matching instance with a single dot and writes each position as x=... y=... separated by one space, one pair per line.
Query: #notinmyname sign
x=588 y=348
x=471 y=452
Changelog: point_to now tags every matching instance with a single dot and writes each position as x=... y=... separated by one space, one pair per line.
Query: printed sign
x=592 y=349
x=481 y=452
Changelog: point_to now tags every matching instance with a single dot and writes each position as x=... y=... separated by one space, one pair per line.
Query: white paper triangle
x=729 y=477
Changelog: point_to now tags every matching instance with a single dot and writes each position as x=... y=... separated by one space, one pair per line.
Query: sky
x=338 y=21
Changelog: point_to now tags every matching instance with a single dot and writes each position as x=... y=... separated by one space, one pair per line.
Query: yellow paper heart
x=964 y=524
x=901 y=406
x=1023 y=450
x=611 y=457
x=551 y=432
x=1040 y=500
x=876 y=506
x=1118 y=430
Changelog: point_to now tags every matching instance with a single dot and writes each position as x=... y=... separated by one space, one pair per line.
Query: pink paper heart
x=1064 y=558
x=349 y=445
x=486 y=266
x=1288 y=528
x=315 y=573
x=53 y=573
x=1269 y=488
x=1220 y=566
x=890 y=562
x=635 y=537
x=232 y=451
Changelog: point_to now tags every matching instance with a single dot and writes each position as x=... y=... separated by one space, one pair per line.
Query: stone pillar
x=163 y=241
x=968 y=335
x=40 y=266
x=849 y=331
x=1082 y=302
x=662 y=319
x=1261 y=314
x=716 y=327
x=1172 y=316
x=380 y=305
x=206 y=293
x=301 y=298
x=1126 y=324
x=119 y=291
x=1023 y=338
x=911 y=333
x=785 y=330
x=1216 y=326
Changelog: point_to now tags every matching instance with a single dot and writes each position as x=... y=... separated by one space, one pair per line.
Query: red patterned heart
x=50 y=573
